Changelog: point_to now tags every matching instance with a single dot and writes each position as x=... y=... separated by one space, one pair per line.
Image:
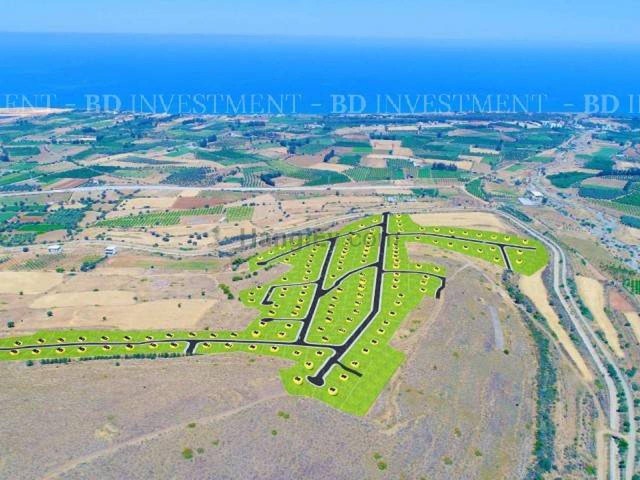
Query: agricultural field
x=238 y=214
x=627 y=209
x=475 y=188
x=633 y=285
x=601 y=160
x=568 y=179
x=632 y=199
x=244 y=301
x=630 y=221
x=158 y=219
x=16 y=239
x=600 y=192
x=311 y=177
x=202 y=152
x=368 y=174
x=332 y=312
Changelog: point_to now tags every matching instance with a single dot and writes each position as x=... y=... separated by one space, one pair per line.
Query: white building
x=110 y=250
x=532 y=198
x=55 y=249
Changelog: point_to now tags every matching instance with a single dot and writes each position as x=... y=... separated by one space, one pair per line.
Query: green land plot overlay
x=332 y=313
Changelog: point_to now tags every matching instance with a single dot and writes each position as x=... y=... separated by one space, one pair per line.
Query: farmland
x=474 y=187
x=367 y=174
x=598 y=192
x=601 y=160
x=625 y=208
x=287 y=318
x=204 y=152
x=633 y=285
x=238 y=214
x=632 y=199
x=310 y=176
x=568 y=179
x=332 y=313
x=157 y=219
x=630 y=221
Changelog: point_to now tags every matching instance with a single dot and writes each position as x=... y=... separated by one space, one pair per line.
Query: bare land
x=459 y=408
x=534 y=288
x=592 y=294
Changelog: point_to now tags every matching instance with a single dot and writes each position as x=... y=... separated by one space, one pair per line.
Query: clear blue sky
x=565 y=21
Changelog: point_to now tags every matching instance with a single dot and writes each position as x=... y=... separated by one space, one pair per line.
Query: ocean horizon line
x=490 y=42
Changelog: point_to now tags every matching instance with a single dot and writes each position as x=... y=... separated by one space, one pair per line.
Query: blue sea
x=219 y=74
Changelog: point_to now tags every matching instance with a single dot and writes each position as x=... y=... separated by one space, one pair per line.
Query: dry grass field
x=461 y=407
x=592 y=294
x=534 y=288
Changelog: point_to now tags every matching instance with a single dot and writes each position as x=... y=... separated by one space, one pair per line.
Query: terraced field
x=332 y=313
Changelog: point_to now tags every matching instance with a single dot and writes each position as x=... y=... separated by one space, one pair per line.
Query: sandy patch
x=233 y=230
x=619 y=302
x=28 y=282
x=592 y=294
x=79 y=299
x=190 y=192
x=31 y=218
x=273 y=152
x=333 y=167
x=304 y=160
x=187 y=203
x=391 y=146
x=147 y=315
x=148 y=202
x=471 y=158
x=374 y=161
x=604 y=182
x=57 y=167
x=628 y=235
x=386 y=145
x=634 y=319
x=404 y=151
x=288 y=182
x=479 y=220
x=624 y=165
x=127 y=271
x=534 y=288
x=200 y=219
x=67 y=183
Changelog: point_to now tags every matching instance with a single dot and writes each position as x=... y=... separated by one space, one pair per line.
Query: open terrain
x=461 y=292
x=332 y=312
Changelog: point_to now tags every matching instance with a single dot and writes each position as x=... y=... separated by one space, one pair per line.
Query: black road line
x=350 y=370
x=443 y=279
x=501 y=246
x=338 y=350
x=341 y=279
x=193 y=341
x=315 y=242
x=505 y=257
x=453 y=237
